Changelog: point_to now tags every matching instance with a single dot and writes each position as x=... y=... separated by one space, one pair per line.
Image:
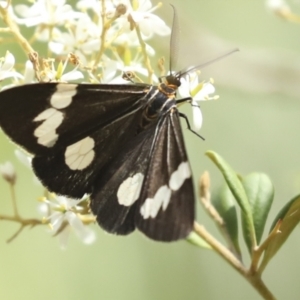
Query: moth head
x=173 y=81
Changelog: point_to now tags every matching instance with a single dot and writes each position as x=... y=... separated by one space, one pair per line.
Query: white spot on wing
x=162 y=197
x=76 y=162
x=151 y=206
x=129 y=190
x=48 y=139
x=45 y=114
x=63 y=95
x=46 y=132
x=178 y=177
x=79 y=155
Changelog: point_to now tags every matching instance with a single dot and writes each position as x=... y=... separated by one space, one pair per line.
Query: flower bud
x=121 y=9
x=8 y=172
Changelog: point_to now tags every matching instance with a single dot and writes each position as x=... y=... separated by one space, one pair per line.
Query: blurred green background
x=254 y=126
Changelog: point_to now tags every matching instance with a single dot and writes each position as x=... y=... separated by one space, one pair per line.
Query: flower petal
x=63 y=237
x=82 y=231
x=197 y=115
x=23 y=158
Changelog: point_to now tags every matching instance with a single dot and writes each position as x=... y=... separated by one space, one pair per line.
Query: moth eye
x=79 y=156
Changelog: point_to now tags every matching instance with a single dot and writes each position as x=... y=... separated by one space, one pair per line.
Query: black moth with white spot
x=122 y=144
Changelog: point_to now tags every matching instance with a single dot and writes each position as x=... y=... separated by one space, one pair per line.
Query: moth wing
x=73 y=169
x=117 y=188
x=47 y=116
x=166 y=209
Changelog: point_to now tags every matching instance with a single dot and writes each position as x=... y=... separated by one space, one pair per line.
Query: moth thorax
x=148 y=118
x=168 y=89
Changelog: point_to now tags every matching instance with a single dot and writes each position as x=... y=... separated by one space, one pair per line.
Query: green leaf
x=239 y=194
x=224 y=203
x=283 y=212
x=196 y=240
x=260 y=192
x=289 y=216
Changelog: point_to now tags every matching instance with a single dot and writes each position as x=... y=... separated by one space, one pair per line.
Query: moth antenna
x=174 y=40
x=190 y=69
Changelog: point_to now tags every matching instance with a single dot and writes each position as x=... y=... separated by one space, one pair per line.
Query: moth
x=120 y=143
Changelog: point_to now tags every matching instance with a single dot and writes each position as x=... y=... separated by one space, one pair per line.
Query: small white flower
x=26 y=160
x=277 y=5
x=148 y=22
x=130 y=38
x=6 y=67
x=23 y=158
x=123 y=64
x=62 y=215
x=190 y=87
x=141 y=13
x=50 y=12
x=8 y=172
x=94 y=5
x=108 y=71
x=29 y=73
x=135 y=66
x=52 y=74
x=82 y=39
x=45 y=15
x=27 y=77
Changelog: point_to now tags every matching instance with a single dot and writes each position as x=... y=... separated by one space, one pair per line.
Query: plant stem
x=15 y=30
x=105 y=27
x=23 y=223
x=253 y=278
x=14 y=201
x=144 y=51
x=25 y=45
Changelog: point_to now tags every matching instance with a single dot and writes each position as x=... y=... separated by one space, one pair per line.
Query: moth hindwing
x=122 y=144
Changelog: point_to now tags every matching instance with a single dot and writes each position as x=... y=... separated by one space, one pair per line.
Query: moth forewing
x=49 y=116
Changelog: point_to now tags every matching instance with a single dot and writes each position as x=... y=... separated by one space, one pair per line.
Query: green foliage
x=225 y=205
x=196 y=240
x=254 y=195
x=260 y=193
x=286 y=220
x=238 y=191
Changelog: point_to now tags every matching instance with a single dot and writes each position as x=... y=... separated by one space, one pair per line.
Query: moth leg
x=184 y=100
x=189 y=126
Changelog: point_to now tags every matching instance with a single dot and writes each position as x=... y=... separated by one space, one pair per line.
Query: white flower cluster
x=198 y=91
x=100 y=34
